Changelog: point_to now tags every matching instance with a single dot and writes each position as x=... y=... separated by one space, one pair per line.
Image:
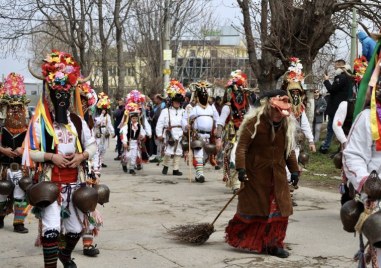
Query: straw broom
x=198 y=234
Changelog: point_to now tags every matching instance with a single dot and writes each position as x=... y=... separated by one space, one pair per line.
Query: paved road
x=133 y=234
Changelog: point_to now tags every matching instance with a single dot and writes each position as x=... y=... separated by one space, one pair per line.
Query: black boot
x=177 y=173
x=165 y=170
x=91 y=251
x=64 y=254
x=19 y=228
x=104 y=165
x=132 y=172
x=138 y=167
x=2 y=222
x=125 y=168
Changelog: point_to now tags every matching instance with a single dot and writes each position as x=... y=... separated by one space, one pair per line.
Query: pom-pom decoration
x=295 y=73
x=175 y=87
x=103 y=101
x=13 y=89
x=60 y=70
x=136 y=97
x=238 y=78
x=359 y=66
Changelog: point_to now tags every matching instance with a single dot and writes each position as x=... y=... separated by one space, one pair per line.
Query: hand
x=312 y=147
x=19 y=151
x=8 y=152
x=76 y=160
x=60 y=160
x=242 y=175
x=294 y=178
x=326 y=77
x=218 y=144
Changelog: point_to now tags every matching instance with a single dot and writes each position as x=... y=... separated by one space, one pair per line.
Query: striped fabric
x=71 y=240
x=19 y=212
x=50 y=248
x=199 y=166
x=87 y=240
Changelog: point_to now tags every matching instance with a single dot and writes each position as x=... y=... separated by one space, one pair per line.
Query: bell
x=103 y=193
x=197 y=144
x=6 y=187
x=25 y=182
x=338 y=160
x=210 y=148
x=372 y=229
x=372 y=186
x=349 y=214
x=85 y=199
x=42 y=194
x=185 y=145
x=303 y=158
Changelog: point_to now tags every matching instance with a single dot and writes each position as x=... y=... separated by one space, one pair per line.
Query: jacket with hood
x=368 y=45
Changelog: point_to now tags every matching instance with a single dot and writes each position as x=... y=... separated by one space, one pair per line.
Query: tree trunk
x=104 y=47
x=309 y=90
x=119 y=46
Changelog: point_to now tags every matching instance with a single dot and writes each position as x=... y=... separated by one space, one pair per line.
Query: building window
x=192 y=53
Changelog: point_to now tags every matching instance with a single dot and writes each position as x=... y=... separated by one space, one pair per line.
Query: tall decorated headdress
x=176 y=91
x=104 y=102
x=13 y=90
x=14 y=95
x=234 y=88
x=87 y=95
x=294 y=76
x=201 y=91
x=135 y=101
x=293 y=81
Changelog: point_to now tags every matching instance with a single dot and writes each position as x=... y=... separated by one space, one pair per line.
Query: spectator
x=367 y=43
x=211 y=100
x=187 y=99
x=117 y=116
x=159 y=105
x=338 y=91
x=320 y=106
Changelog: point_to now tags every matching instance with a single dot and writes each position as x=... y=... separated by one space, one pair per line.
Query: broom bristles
x=196 y=234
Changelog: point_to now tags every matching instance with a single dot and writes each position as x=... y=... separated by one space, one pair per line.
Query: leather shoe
x=279 y=252
x=323 y=150
x=117 y=158
x=132 y=172
x=125 y=168
x=104 y=165
x=177 y=173
x=91 y=251
x=200 y=179
x=19 y=228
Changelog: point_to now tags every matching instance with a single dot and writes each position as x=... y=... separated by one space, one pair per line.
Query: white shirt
x=176 y=116
x=338 y=122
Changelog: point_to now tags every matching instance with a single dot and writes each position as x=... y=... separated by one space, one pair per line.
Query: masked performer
x=265 y=143
x=88 y=98
x=236 y=105
x=169 y=127
x=12 y=136
x=59 y=142
x=103 y=131
x=132 y=135
x=201 y=121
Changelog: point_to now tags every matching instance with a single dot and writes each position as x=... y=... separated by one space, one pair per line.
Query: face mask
x=295 y=99
x=61 y=103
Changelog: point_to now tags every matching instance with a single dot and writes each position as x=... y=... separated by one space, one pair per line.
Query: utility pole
x=353 y=37
x=167 y=53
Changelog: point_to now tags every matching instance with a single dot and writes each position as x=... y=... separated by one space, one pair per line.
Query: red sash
x=64 y=175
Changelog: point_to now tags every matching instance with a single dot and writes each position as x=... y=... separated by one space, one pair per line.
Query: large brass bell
x=6 y=187
x=350 y=213
x=372 y=186
x=303 y=158
x=338 y=160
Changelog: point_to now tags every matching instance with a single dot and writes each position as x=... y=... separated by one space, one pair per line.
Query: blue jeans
x=328 y=138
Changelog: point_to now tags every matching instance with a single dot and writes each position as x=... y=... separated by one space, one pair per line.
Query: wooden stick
x=227 y=204
x=190 y=155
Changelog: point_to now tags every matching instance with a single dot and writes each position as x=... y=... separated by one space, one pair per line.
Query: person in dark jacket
x=338 y=91
x=320 y=106
x=118 y=115
x=367 y=43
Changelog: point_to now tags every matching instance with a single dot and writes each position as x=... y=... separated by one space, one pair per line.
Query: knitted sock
x=19 y=207
x=71 y=240
x=50 y=248
x=87 y=240
x=199 y=166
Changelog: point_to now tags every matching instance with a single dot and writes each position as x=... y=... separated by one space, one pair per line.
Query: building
x=212 y=58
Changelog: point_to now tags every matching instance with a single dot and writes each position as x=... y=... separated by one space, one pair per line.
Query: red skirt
x=255 y=233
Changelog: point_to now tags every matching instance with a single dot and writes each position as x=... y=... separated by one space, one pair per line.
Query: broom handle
x=227 y=204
